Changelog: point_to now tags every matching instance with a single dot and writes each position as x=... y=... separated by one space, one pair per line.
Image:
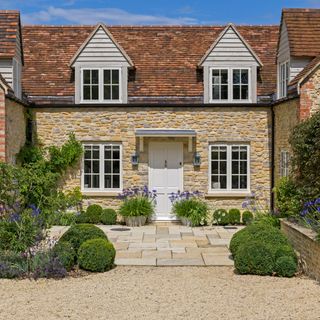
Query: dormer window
x=101 y=69
x=101 y=85
x=230 y=85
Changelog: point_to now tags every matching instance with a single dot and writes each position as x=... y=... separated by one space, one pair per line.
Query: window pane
x=107 y=152
x=87 y=153
x=116 y=167
x=243 y=154
x=236 y=76
x=223 y=153
x=243 y=167
x=87 y=181
x=107 y=93
x=95 y=166
x=223 y=167
x=86 y=76
x=224 y=92
x=235 y=167
x=95 y=181
x=223 y=182
x=215 y=184
x=115 y=76
x=235 y=182
x=235 y=155
x=214 y=167
x=87 y=166
x=224 y=76
x=244 y=76
x=243 y=182
x=244 y=92
x=116 y=152
x=94 y=76
x=214 y=155
x=215 y=77
x=115 y=92
x=107 y=166
x=107 y=76
x=86 y=92
x=95 y=93
x=215 y=92
x=96 y=152
x=236 y=92
x=107 y=182
x=116 y=181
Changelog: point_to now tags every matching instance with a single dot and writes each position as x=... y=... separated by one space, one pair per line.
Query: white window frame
x=101 y=85
x=101 y=169
x=284 y=163
x=283 y=78
x=230 y=85
x=229 y=189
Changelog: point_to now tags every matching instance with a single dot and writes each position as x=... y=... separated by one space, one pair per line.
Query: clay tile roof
x=165 y=58
x=303 y=30
x=305 y=71
x=9 y=30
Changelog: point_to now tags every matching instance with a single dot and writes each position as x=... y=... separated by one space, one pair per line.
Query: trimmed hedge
x=285 y=267
x=259 y=241
x=234 y=216
x=247 y=217
x=64 y=251
x=108 y=216
x=80 y=233
x=96 y=255
x=254 y=258
x=93 y=213
x=220 y=217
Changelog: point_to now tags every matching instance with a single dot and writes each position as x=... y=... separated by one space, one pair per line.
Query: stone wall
x=310 y=95
x=303 y=240
x=212 y=124
x=15 y=128
x=285 y=119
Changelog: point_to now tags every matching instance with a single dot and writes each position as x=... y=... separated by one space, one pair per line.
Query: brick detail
x=303 y=241
x=2 y=125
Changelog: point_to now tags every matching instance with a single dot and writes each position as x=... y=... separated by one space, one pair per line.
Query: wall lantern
x=196 y=159
x=135 y=159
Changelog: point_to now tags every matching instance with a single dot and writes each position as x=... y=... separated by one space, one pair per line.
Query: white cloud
x=107 y=15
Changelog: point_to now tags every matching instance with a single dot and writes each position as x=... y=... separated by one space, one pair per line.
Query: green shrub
x=62 y=219
x=285 y=266
x=65 y=253
x=137 y=206
x=268 y=219
x=194 y=209
x=234 y=216
x=108 y=217
x=254 y=258
x=285 y=250
x=247 y=217
x=96 y=255
x=242 y=236
x=220 y=217
x=82 y=217
x=93 y=213
x=12 y=265
x=80 y=233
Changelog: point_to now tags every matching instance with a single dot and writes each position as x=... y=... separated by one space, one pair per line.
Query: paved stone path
x=169 y=245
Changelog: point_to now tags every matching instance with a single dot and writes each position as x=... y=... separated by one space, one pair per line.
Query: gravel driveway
x=161 y=293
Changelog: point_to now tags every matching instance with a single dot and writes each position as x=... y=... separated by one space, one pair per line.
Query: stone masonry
x=212 y=124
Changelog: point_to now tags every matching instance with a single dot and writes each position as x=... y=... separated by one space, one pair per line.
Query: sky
x=153 y=12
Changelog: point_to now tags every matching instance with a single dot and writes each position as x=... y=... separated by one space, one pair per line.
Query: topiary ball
x=234 y=216
x=82 y=217
x=80 y=233
x=108 y=216
x=220 y=217
x=237 y=239
x=93 y=213
x=254 y=258
x=285 y=267
x=247 y=217
x=96 y=255
x=65 y=253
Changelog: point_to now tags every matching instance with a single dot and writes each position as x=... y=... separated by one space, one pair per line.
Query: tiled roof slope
x=165 y=58
x=306 y=70
x=303 y=30
x=9 y=28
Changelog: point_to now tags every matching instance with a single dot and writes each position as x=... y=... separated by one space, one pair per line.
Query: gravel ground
x=161 y=293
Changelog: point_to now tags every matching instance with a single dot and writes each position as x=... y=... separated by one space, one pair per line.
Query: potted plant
x=137 y=206
x=190 y=208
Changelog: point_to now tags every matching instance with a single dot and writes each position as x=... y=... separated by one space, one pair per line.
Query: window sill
x=100 y=102
x=101 y=193
x=226 y=194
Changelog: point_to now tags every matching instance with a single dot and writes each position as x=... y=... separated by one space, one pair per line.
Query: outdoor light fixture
x=135 y=159
x=196 y=159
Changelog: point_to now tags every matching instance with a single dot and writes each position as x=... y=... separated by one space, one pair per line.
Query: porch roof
x=165 y=133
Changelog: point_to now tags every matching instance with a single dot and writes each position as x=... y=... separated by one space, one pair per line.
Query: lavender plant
x=310 y=215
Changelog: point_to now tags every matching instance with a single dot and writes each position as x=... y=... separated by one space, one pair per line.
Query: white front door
x=165 y=175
